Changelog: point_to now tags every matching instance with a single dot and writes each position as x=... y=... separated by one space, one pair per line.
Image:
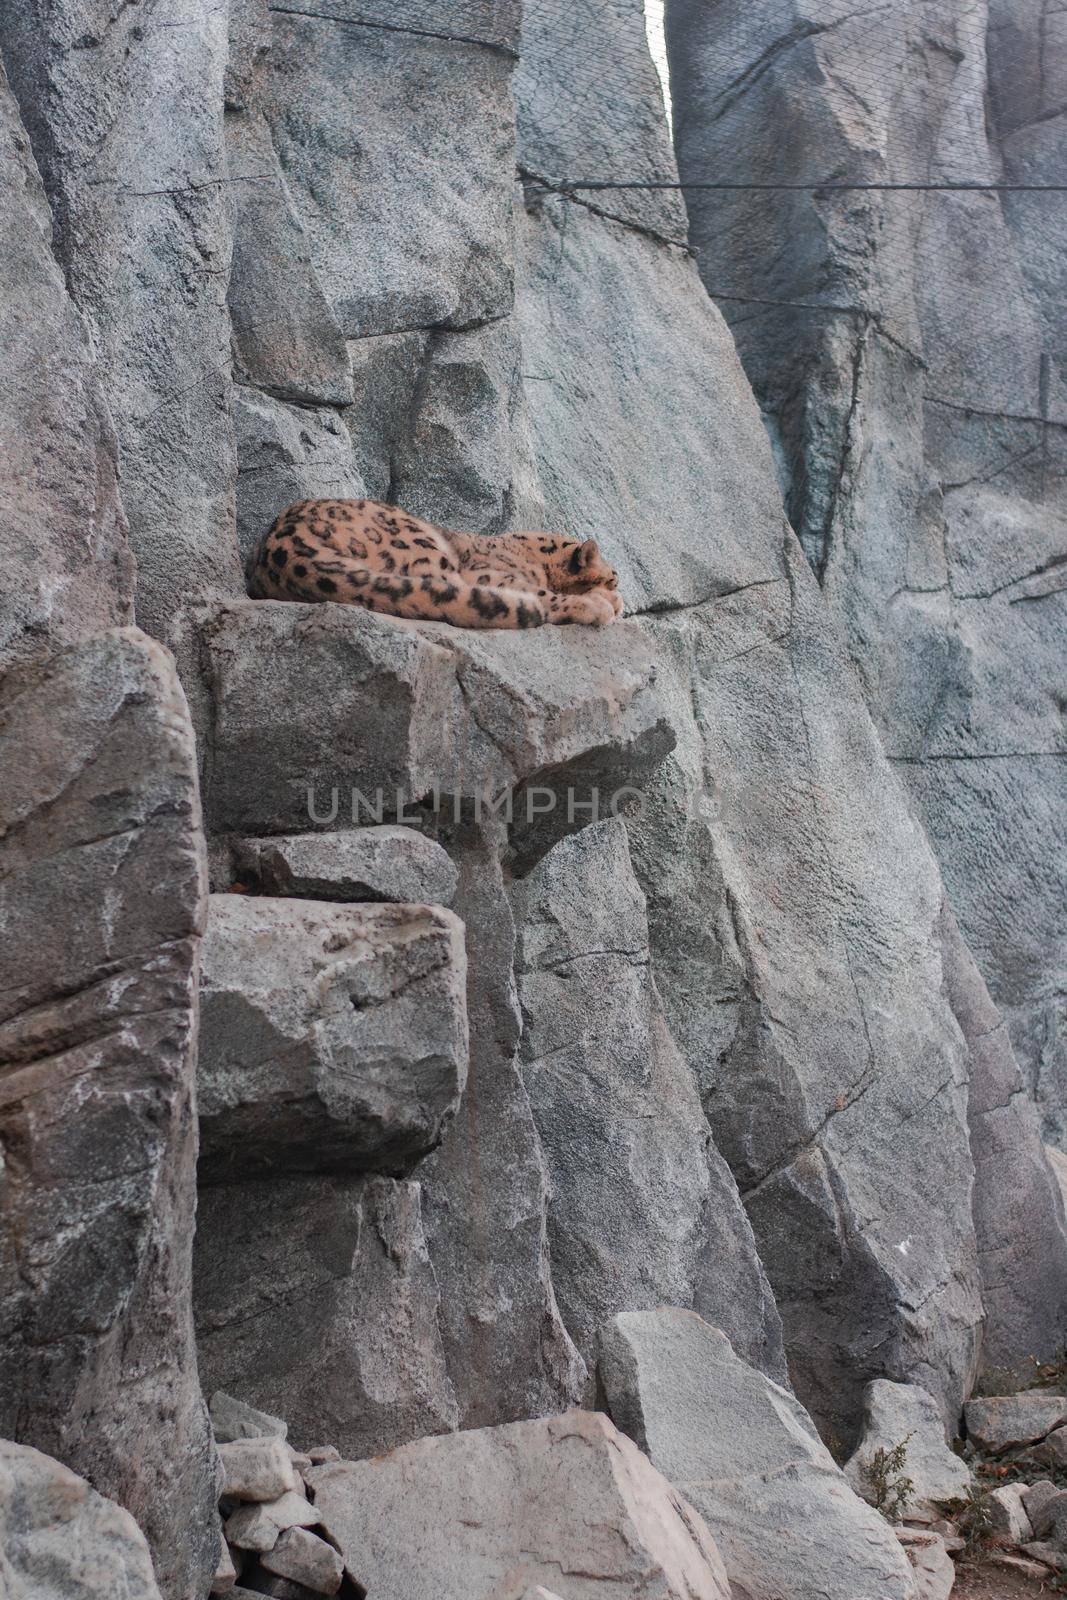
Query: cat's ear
x=589 y=553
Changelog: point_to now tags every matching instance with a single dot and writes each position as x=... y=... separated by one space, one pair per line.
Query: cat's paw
x=594 y=609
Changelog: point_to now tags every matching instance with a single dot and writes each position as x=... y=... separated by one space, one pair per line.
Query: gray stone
x=466 y=457
x=1050 y=1452
x=1057 y=1163
x=287 y=453
x=404 y=231
x=1036 y=1497
x=590 y=114
x=257 y=1526
x=67 y=567
x=286 y=340
x=486 y=1189
x=306 y=1559
x=1008 y=1517
x=382 y=863
x=317 y=1295
x=315 y=706
x=232 y=1419
x=747 y=1456
x=642 y=1210
x=225 y=1573
x=99 y=810
x=516 y=1506
x=902 y=1413
x=386 y=373
x=1050 y=1555
x=1008 y=1421
x=1018 y=1211
x=614 y=328
x=933 y=1569
x=320 y=1453
x=905 y=347
x=256 y=1469
x=332 y=1038
x=63 y=1541
x=1049 y=1521
x=125 y=116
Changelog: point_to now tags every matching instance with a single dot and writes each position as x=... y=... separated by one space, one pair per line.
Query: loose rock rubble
x=274 y=1538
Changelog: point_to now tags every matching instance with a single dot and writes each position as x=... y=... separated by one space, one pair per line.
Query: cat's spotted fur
x=362 y=553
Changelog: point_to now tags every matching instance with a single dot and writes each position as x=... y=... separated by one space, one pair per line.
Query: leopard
x=371 y=554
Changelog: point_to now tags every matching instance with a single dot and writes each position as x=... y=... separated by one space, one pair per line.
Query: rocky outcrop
x=746 y=1455
x=564 y=1499
x=67 y=568
x=864 y=199
x=896 y=1414
x=1018 y=1210
x=63 y=1541
x=331 y=1038
x=643 y=1210
x=316 y=1296
x=100 y=811
x=384 y=863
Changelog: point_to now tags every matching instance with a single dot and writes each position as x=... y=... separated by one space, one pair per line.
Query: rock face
x=97 y=1042
x=317 y=1297
x=66 y=561
x=793 y=902
x=332 y=1038
x=643 y=1209
x=126 y=125
x=518 y=1506
x=900 y=1413
x=385 y=863
x=1008 y=1421
x=63 y=1541
x=899 y=331
x=746 y=1455
x=1018 y=1208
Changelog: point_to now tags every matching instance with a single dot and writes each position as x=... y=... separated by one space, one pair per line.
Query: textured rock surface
x=793 y=903
x=1008 y=1517
x=904 y=347
x=99 y=810
x=321 y=708
x=746 y=1455
x=643 y=1210
x=516 y=1506
x=125 y=116
x=934 y=1571
x=287 y=452
x=316 y=1297
x=332 y=1038
x=901 y=1413
x=1007 y=1421
x=383 y=863
x=66 y=562
x=1018 y=1209
x=231 y=1419
x=256 y=1469
x=60 y=1540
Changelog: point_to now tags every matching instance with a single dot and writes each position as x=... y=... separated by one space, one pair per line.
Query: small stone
x=902 y=1413
x=1009 y=1421
x=306 y=1559
x=1049 y=1554
x=1036 y=1498
x=934 y=1570
x=231 y=1419
x=1048 y=1517
x=324 y=1452
x=1020 y=1564
x=1050 y=1452
x=225 y=1573
x=379 y=863
x=1009 y=1520
x=256 y=1469
x=302 y=1462
x=256 y=1527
